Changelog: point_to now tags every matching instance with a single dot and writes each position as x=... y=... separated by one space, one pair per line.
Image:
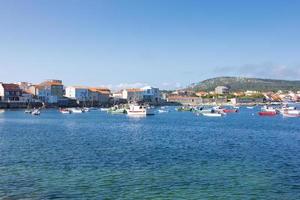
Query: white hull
x=36 y=112
x=212 y=114
x=290 y=115
x=139 y=111
x=74 y=110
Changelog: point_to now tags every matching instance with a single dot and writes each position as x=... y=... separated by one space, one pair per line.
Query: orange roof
x=50 y=83
x=100 y=90
x=134 y=90
x=10 y=86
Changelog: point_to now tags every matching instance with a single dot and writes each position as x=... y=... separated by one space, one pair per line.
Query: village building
x=10 y=92
x=133 y=94
x=50 y=91
x=151 y=94
x=221 y=90
x=79 y=93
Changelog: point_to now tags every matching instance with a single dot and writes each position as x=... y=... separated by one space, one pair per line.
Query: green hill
x=243 y=84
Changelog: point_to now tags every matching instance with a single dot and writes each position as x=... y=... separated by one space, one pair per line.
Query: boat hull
x=267 y=113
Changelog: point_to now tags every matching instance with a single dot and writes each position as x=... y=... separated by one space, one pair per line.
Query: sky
x=132 y=43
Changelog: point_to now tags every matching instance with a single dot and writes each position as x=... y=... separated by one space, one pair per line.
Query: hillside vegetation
x=243 y=84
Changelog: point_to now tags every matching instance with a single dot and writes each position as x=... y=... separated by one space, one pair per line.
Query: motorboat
x=217 y=114
x=162 y=111
x=267 y=113
x=291 y=115
x=250 y=107
x=65 y=111
x=76 y=110
x=28 y=111
x=230 y=110
x=139 y=110
x=104 y=109
x=116 y=110
x=269 y=109
x=85 y=109
x=36 y=112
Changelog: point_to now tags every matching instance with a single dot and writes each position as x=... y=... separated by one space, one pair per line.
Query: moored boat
x=36 y=112
x=28 y=111
x=104 y=109
x=290 y=115
x=162 y=111
x=117 y=111
x=65 y=111
x=267 y=113
x=212 y=114
x=230 y=110
x=138 y=110
x=76 y=110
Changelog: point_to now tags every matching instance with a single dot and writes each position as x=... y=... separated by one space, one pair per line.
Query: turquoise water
x=173 y=155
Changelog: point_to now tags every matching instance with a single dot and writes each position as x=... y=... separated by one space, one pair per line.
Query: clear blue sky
x=158 y=42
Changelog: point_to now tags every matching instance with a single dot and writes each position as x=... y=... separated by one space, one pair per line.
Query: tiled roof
x=134 y=90
x=10 y=86
x=49 y=83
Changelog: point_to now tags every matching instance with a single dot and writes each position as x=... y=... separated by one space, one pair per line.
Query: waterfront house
x=79 y=93
x=10 y=92
x=151 y=94
x=50 y=91
x=133 y=94
x=99 y=95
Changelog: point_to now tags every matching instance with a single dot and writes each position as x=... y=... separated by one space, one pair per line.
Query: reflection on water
x=173 y=155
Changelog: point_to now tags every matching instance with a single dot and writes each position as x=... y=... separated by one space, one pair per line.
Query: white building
x=221 y=90
x=146 y=94
x=151 y=94
x=78 y=93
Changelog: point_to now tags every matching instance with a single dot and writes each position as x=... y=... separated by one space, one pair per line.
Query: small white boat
x=162 y=111
x=85 y=109
x=291 y=115
x=137 y=110
x=250 y=107
x=2 y=111
x=28 y=111
x=36 y=112
x=76 y=110
x=65 y=111
x=104 y=109
x=212 y=114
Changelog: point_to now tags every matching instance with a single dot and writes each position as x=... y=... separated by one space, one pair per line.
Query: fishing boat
x=138 y=110
x=28 y=111
x=212 y=114
x=116 y=110
x=76 y=110
x=230 y=110
x=204 y=111
x=291 y=115
x=268 y=109
x=65 y=111
x=85 y=109
x=185 y=109
x=104 y=109
x=267 y=113
x=162 y=111
x=36 y=112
